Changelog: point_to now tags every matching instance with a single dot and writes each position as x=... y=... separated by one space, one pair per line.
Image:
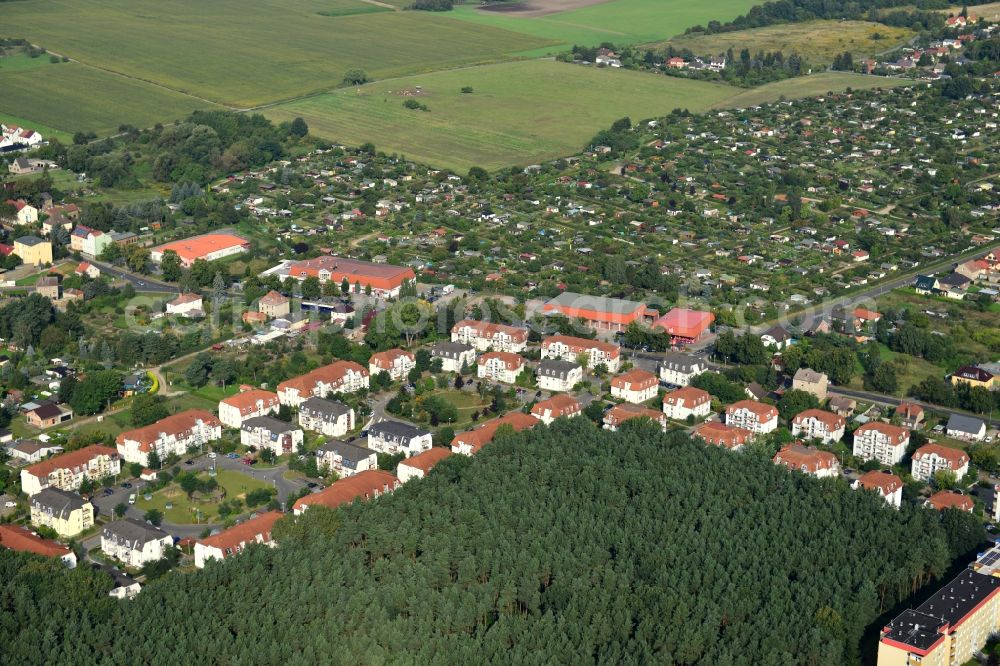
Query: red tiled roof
x=908 y=410
x=344 y=491
x=829 y=419
x=273 y=298
x=763 y=411
x=688 y=396
x=957 y=457
x=685 y=323
x=797 y=456
x=247 y=400
x=621 y=413
x=379 y=276
x=510 y=360
x=886 y=482
x=386 y=358
x=559 y=405
x=244 y=533
x=483 y=434
x=428 y=459
x=183 y=299
x=17 y=538
x=721 y=434
x=866 y=314
x=329 y=374
x=947 y=499
x=70 y=460
x=635 y=379
x=174 y=424
x=896 y=434
x=485 y=329
x=580 y=345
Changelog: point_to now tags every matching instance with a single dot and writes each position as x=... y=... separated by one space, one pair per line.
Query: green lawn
x=519 y=112
x=182 y=509
x=618 y=21
x=244 y=54
x=465 y=402
x=808 y=86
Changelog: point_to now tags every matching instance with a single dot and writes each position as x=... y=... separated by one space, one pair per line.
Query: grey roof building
x=452 y=350
x=268 y=423
x=343 y=455
x=966 y=426
x=396 y=431
x=556 y=368
x=682 y=363
x=327 y=410
x=132 y=533
x=58 y=503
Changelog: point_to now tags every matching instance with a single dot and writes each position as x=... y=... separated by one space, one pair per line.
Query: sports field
x=817 y=41
x=249 y=53
x=619 y=22
x=808 y=86
x=518 y=112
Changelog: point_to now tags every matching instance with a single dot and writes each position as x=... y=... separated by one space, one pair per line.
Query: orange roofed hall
x=600 y=312
x=384 y=280
x=685 y=326
x=208 y=247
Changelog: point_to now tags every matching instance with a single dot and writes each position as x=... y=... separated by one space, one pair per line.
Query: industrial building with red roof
x=208 y=247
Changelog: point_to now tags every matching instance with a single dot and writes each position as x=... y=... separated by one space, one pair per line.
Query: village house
x=28 y=451
x=556 y=407
x=333 y=419
x=266 y=432
x=619 y=414
x=364 y=486
x=48 y=286
x=635 y=386
x=274 y=305
x=776 y=337
x=47 y=415
x=25 y=212
x=418 y=466
x=471 y=441
x=879 y=441
x=234 y=540
x=69 y=470
x=22 y=540
x=337 y=377
x=569 y=348
x=754 y=416
x=720 y=434
x=172 y=435
x=677 y=369
x=930 y=459
x=842 y=406
x=968 y=428
x=949 y=499
x=133 y=542
x=808 y=460
x=974 y=376
x=487 y=336
x=500 y=366
x=65 y=512
x=559 y=376
x=186 y=305
x=687 y=402
x=345 y=459
x=33 y=250
x=87 y=269
x=810 y=381
x=90 y=242
x=396 y=362
x=886 y=484
x=394 y=437
x=909 y=414
x=454 y=355
x=247 y=405
x=818 y=424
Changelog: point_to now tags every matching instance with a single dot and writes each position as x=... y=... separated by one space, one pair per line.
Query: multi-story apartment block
x=471 y=441
x=754 y=416
x=808 y=460
x=133 y=542
x=720 y=434
x=556 y=407
x=677 y=369
x=454 y=355
x=619 y=414
x=685 y=402
x=65 y=512
x=818 y=424
x=500 y=366
x=172 y=435
x=635 y=386
x=364 y=485
x=68 y=471
x=395 y=437
x=332 y=418
x=487 y=336
x=396 y=362
x=338 y=377
x=557 y=375
x=234 y=540
x=595 y=352
x=419 y=465
x=886 y=484
x=246 y=405
x=267 y=432
x=883 y=442
x=345 y=459
x=930 y=459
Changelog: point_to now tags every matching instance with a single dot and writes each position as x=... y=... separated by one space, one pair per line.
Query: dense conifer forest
x=565 y=545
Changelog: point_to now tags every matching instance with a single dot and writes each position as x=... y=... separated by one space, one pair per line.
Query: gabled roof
x=17 y=538
x=362 y=485
x=721 y=434
x=688 y=397
x=947 y=499
x=71 y=460
x=956 y=457
x=245 y=532
x=635 y=379
x=174 y=425
x=247 y=401
x=333 y=373
x=829 y=419
x=428 y=459
x=491 y=330
x=885 y=482
x=558 y=405
x=579 y=345
x=764 y=412
x=483 y=434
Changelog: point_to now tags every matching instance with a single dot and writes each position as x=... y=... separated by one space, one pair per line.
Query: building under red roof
x=363 y=485
x=557 y=406
x=251 y=531
x=384 y=279
x=473 y=440
x=208 y=247
x=947 y=499
x=720 y=434
x=71 y=460
x=17 y=538
x=685 y=326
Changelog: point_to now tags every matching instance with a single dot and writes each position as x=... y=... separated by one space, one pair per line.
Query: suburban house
x=757 y=417
x=808 y=460
x=234 y=540
x=685 y=402
x=842 y=406
x=337 y=377
x=557 y=375
x=964 y=427
x=31 y=451
x=33 y=250
x=345 y=459
x=22 y=540
x=419 y=465
x=267 y=432
x=974 y=376
x=619 y=414
x=65 y=512
x=818 y=424
x=720 y=434
x=556 y=407
x=635 y=386
x=454 y=355
x=569 y=348
x=207 y=246
x=471 y=441
x=134 y=542
x=883 y=442
x=171 y=435
x=396 y=362
x=487 y=336
x=776 y=337
x=930 y=459
x=68 y=471
x=909 y=414
x=886 y=484
x=599 y=312
x=677 y=369
x=811 y=381
x=500 y=366
x=274 y=305
x=89 y=241
x=25 y=212
x=186 y=305
x=247 y=405
x=332 y=418
x=363 y=485
x=48 y=286
x=87 y=269
x=394 y=437
x=685 y=326
x=47 y=415
x=383 y=280
x=947 y=499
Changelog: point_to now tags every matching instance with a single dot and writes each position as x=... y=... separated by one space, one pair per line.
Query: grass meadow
x=813 y=85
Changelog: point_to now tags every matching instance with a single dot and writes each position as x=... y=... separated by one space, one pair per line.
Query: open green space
x=183 y=509
x=518 y=112
x=808 y=86
x=245 y=54
x=817 y=41
x=618 y=22
x=465 y=402
x=72 y=97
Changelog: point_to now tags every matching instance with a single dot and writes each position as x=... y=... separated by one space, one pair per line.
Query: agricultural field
x=619 y=22
x=808 y=86
x=243 y=55
x=70 y=97
x=518 y=112
x=990 y=11
x=817 y=41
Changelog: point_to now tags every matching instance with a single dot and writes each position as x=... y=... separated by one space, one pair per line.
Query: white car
x=211 y=454
x=131 y=498
x=9 y=505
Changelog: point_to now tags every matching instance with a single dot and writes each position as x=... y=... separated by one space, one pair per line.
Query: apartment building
x=22 y=540
x=364 y=486
x=500 y=367
x=65 y=512
x=808 y=460
x=720 y=434
x=556 y=407
x=619 y=414
x=818 y=424
x=595 y=352
x=337 y=377
x=636 y=386
x=685 y=402
x=454 y=355
x=134 y=543
x=487 y=336
x=754 y=416
x=233 y=541
x=173 y=435
x=883 y=442
x=886 y=484
x=345 y=459
x=396 y=362
x=68 y=470
x=421 y=464
x=948 y=499
x=558 y=376
x=677 y=369
x=247 y=405
x=332 y=418
x=470 y=442
x=266 y=432
x=930 y=459
x=394 y=437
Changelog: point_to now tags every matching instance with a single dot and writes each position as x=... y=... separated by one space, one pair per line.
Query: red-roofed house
x=685 y=326
x=499 y=366
x=417 y=467
x=818 y=424
x=274 y=305
x=886 y=484
x=570 y=348
x=186 y=304
x=471 y=441
x=236 y=409
x=171 y=435
x=88 y=269
x=363 y=485
x=909 y=414
x=396 y=362
x=947 y=499
x=635 y=386
x=619 y=414
x=930 y=459
x=754 y=416
x=484 y=335
x=558 y=406
x=808 y=460
x=235 y=539
x=720 y=434
x=68 y=471
x=337 y=377
x=685 y=402
x=883 y=442
x=22 y=540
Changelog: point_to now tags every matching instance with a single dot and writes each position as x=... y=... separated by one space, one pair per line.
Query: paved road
x=139 y=282
x=892 y=401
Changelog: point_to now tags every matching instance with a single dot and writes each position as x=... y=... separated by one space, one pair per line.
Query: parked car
x=126 y=485
x=188 y=462
x=212 y=454
x=131 y=498
x=109 y=491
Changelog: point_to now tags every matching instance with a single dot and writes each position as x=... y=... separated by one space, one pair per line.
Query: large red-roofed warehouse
x=208 y=247
x=685 y=326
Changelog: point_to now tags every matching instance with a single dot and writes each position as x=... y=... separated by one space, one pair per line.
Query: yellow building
x=949 y=628
x=33 y=250
x=65 y=512
x=974 y=376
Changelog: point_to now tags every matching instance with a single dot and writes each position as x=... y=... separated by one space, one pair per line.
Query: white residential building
x=635 y=386
x=395 y=437
x=500 y=366
x=134 y=543
x=247 y=405
x=333 y=419
x=685 y=402
x=337 y=377
x=454 y=355
x=487 y=336
x=570 y=348
x=754 y=416
x=886 y=484
x=234 y=540
x=173 y=435
x=267 y=432
x=930 y=459
x=396 y=362
x=558 y=376
x=883 y=442
x=818 y=424
x=677 y=369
